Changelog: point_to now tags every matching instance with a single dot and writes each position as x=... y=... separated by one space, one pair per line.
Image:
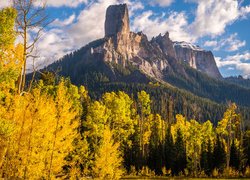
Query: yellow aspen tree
x=10 y=55
x=45 y=126
x=96 y=122
x=193 y=145
x=65 y=129
x=120 y=119
x=228 y=127
x=108 y=160
x=144 y=110
x=181 y=124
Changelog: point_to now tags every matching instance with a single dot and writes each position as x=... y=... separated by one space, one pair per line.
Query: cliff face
x=197 y=58
x=117 y=20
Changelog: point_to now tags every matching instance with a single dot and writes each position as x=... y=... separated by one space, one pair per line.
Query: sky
x=221 y=26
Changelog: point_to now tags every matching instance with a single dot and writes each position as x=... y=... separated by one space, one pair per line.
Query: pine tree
x=180 y=162
x=234 y=156
x=156 y=145
x=144 y=124
x=219 y=155
x=169 y=149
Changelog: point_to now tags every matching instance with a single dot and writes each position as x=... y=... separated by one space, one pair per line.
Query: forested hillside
x=240 y=81
x=193 y=95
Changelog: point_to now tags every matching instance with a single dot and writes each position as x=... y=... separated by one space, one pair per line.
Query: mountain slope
x=127 y=57
x=239 y=81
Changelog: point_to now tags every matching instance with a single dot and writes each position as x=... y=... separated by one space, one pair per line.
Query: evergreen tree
x=234 y=156
x=169 y=149
x=207 y=158
x=219 y=155
x=246 y=148
x=180 y=162
x=156 y=145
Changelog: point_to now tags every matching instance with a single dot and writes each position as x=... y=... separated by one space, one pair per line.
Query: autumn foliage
x=55 y=130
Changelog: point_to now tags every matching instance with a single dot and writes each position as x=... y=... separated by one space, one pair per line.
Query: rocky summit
x=156 y=58
x=152 y=57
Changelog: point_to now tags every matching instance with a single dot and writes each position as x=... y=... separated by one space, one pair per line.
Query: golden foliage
x=108 y=161
x=45 y=127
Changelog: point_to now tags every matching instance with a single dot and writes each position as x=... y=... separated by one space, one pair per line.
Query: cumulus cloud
x=53 y=45
x=230 y=43
x=237 y=61
x=5 y=3
x=213 y=16
x=211 y=19
x=68 y=3
x=211 y=43
x=245 y=11
x=65 y=22
x=90 y=23
x=176 y=24
x=162 y=3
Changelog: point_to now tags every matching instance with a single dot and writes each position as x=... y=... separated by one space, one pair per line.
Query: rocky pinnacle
x=117 y=20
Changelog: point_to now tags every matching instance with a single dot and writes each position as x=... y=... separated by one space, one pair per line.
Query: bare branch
x=29 y=17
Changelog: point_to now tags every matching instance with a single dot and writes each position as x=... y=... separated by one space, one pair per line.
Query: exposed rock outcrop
x=197 y=58
x=156 y=59
x=165 y=44
x=127 y=48
x=117 y=20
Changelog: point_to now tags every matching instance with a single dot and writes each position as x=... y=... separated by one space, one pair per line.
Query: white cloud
x=52 y=3
x=133 y=7
x=163 y=3
x=176 y=24
x=231 y=43
x=237 y=61
x=211 y=19
x=245 y=11
x=5 y=3
x=210 y=43
x=90 y=23
x=53 y=45
x=65 y=22
x=213 y=16
x=68 y=3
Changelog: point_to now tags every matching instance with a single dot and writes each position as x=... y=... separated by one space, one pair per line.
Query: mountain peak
x=117 y=20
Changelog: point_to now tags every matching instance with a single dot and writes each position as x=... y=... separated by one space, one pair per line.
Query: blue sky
x=222 y=26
